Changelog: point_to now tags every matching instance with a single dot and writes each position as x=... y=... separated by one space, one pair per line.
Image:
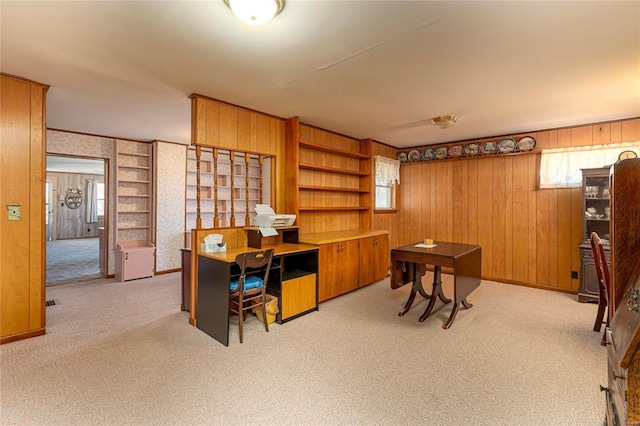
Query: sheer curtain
x=387 y=170
x=560 y=167
x=92 y=201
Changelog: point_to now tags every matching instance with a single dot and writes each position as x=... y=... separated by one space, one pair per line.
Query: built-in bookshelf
x=134 y=179
x=330 y=179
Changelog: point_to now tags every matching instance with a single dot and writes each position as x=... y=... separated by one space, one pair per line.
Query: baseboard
x=22 y=336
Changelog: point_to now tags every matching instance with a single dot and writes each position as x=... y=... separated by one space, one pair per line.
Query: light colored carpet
x=72 y=260
x=123 y=354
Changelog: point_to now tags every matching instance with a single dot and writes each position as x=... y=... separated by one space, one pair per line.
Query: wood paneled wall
x=22 y=177
x=528 y=236
x=220 y=125
x=72 y=223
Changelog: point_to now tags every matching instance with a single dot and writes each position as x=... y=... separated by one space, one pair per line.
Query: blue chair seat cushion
x=250 y=283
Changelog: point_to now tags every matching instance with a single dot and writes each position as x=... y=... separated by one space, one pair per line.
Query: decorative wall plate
x=526 y=143
x=455 y=151
x=441 y=153
x=489 y=147
x=402 y=157
x=428 y=154
x=471 y=149
x=414 y=155
x=506 y=145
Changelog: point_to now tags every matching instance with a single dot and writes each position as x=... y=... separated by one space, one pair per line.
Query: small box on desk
x=213 y=247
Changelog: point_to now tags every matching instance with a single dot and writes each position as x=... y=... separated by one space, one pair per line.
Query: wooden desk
x=408 y=264
x=293 y=279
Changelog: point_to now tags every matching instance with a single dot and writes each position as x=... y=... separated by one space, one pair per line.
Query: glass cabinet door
x=596 y=202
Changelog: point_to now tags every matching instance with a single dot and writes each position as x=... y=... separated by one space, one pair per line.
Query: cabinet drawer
x=298 y=296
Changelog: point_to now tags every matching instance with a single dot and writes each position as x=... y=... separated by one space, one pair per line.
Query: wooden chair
x=602 y=272
x=251 y=286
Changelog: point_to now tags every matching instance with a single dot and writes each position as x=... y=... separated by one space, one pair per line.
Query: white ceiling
x=366 y=69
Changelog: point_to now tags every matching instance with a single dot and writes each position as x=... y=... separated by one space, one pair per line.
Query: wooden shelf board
x=133 y=167
x=315 y=167
x=132 y=196
x=328 y=209
x=193 y=172
x=331 y=188
x=134 y=154
x=332 y=150
x=133 y=227
x=134 y=181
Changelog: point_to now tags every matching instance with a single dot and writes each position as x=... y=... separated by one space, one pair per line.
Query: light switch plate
x=14 y=211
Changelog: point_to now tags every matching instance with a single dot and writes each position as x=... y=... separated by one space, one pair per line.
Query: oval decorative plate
x=402 y=157
x=455 y=151
x=489 y=147
x=428 y=154
x=526 y=143
x=471 y=149
x=506 y=145
x=441 y=153
x=414 y=155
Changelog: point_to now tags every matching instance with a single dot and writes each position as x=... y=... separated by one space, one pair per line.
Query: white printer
x=267 y=218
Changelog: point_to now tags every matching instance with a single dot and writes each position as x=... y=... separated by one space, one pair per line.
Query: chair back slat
x=240 y=299
x=602 y=273
x=596 y=249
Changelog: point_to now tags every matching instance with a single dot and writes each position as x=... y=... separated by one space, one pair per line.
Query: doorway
x=75 y=219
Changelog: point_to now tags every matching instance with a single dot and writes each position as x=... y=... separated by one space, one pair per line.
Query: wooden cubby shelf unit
x=231 y=183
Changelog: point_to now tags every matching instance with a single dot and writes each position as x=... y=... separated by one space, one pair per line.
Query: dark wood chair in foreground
x=249 y=290
x=602 y=272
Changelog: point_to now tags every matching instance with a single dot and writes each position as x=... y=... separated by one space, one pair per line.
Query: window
x=387 y=177
x=385 y=196
x=100 y=198
x=560 y=167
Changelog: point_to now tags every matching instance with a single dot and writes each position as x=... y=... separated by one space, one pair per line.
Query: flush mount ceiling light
x=444 y=121
x=255 y=12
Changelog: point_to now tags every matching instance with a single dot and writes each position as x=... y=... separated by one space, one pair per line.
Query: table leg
x=416 y=288
x=435 y=294
x=454 y=312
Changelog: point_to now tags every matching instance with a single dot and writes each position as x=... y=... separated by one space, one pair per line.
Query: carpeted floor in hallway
x=72 y=260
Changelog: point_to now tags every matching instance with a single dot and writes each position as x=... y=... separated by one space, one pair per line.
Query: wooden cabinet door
x=348 y=265
x=338 y=264
x=367 y=261
x=329 y=265
x=382 y=257
x=374 y=259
